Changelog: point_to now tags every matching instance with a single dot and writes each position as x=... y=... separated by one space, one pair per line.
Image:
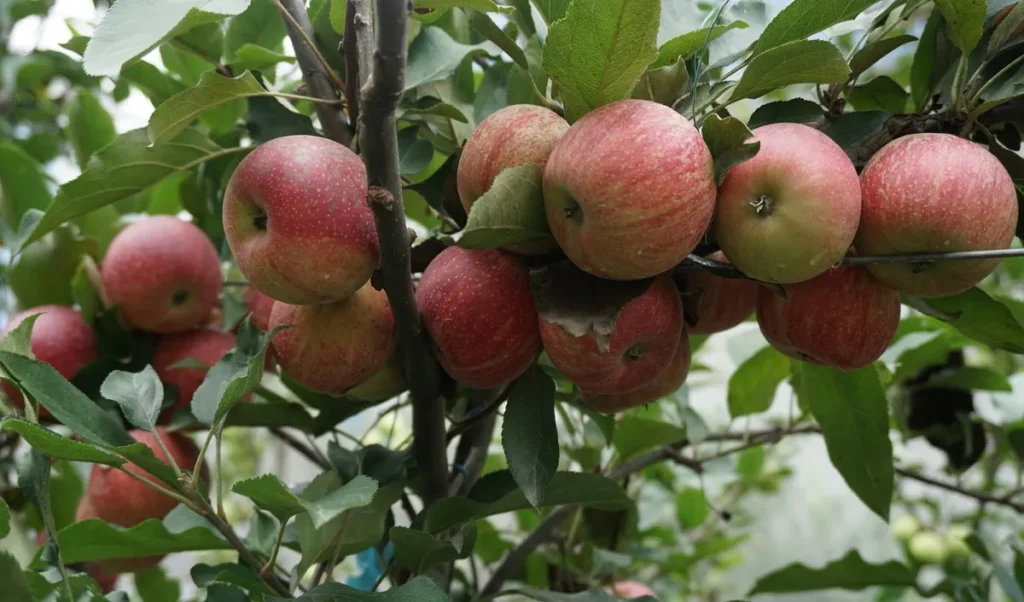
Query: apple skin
x=641 y=346
x=259 y=306
x=632 y=589
x=509 y=137
x=333 y=347
x=163 y=273
x=935 y=193
x=666 y=383
x=501 y=340
x=61 y=338
x=386 y=383
x=207 y=346
x=297 y=220
x=629 y=190
x=724 y=302
x=812 y=210
x=844 y=318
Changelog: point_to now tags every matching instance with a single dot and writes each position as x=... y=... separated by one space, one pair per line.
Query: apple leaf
x=727 y=140
x=497 y=493
x=510 y=213
x=596 y=54
x=419 y=551
x=970 y=378
x=933 y=59
x=260 y=25
x=140 y=395
x=752 y=386
x=1006 y=29
x=11 y=577
x=552 y=10
x=799 y=62
x=796 y=110
x=882 y=93
x=664 y=85
x=581 y=303
x=277 y=415
x=684 y=46
x=127 y=167
x=212 y=91
x=851 y=572
x=233 y=376
x=590 y=595
x=994 y=322
x=691 y=508
x=850 y=129
x=853 y=413
x=414 y=153
x=270 y=494
x=480 y=5
x=804 y=18
x=257 y=58
x=434 y=55
x=876 y=51
x=19 y=339
x=420 y=589
x=486 y=27
x=529 y=434
x=965 y=21
x=357 y=493
x=58 y=446
x=154 y=585
x=635 y=435
x=155 y=84
x=429 y=106
x=90 y=127
x=22 y=186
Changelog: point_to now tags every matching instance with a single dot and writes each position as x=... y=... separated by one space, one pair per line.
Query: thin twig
x=312 y=455
x=357 y=46
x=379 y=144
x=478 y=415
x=981 y=497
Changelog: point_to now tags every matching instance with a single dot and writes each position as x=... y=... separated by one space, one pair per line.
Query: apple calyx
x=764 y=205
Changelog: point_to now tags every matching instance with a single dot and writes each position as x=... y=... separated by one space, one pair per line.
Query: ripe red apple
x=791 y=212
x=629 y=190
x=163 y=273
x=666 y=383
x=121 y=500
x=333 y=347
x=297 y=220
x=844 y=318
x=206 y=346
x=632 y=589
x=259 y=306
x=479 y=310
x=935 y=193
x=639 y=348
x=61 y=338
x=724 y=302
x=510 y=137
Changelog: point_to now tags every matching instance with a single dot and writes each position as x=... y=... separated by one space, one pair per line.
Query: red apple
x=632 y=589
x=510 y=137
x=206 y=346
x=666 y=383
x=935 y=193
x=297 y=220
x=163 y=273
x=333 y=347
x=640 y=347
x=61 y=338
x=629 y=190
x=844 y=318
x=724 y=302
x=791 y=212
x=479 y=310
x=259 y=306
x=121 y=500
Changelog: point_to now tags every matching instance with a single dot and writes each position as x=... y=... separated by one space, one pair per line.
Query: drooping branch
x=379 y=144
x=981 y=497
x=316 y=74
x=357 y=46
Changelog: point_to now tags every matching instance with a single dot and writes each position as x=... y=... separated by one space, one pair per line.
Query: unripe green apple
x=666 y=383
x=41 y=274
x=957 y=547
x=905 y=527
x=629 y=190
x=204 y=345
x=297 y=220
x=724 y=302
x=387 y=383
x=928 y=547
x=790 y=212
x=163 y=273
x=935 y=193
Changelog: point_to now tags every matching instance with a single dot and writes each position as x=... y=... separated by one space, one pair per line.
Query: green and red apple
x=723 y=302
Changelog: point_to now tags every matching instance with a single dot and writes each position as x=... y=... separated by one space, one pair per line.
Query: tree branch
x=981 y=497
x=318 y=78
x=379 y=144
x=310 y=454
x=357 y=45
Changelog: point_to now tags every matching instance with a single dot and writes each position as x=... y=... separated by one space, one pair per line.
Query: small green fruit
x=928 y=547
x=905 y=527
x=958 y=531
x=958 y=548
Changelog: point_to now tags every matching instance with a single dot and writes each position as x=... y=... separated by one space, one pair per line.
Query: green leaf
x=684 y=46
x=151 y=81
x=804 y=18
x=851 y=572
x=1006 y=30
x=727 y=140
x=486 y=27
x=853 y=412
x=127 y=167
x=419 y=551
x=356 y=493
x=277 y=415
x=480 y=5
x=5 y=519
x=850 y=129
x=591 y=595
x=420 y=589
x=552 y=10
x=691 y=508
x=596 y=54
x=876 y=51
x=750 y=464
x=510 y=213
x=58 y=446
x=22 y=185
x=90 y=127
x=799 y=62
x=497 y=493
x=430 y=106
x=261 y=25
x=268 y=119
x=663 y=85
x=932 y=60
x=19 y=339
x=529 y=435
x=10 y=575
x=972 y=379
x=67 y=404
x=182 y=531
x=882 y=93
x=434 y=55
x=140 y=395
x=752 y=386
x=635 y=435
x=414 y=153
x=990 y=321
x=965 y=22
x=257 y=58
x=270 y=494
x=231 y=378
x=213 y=90
x=154 y=585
